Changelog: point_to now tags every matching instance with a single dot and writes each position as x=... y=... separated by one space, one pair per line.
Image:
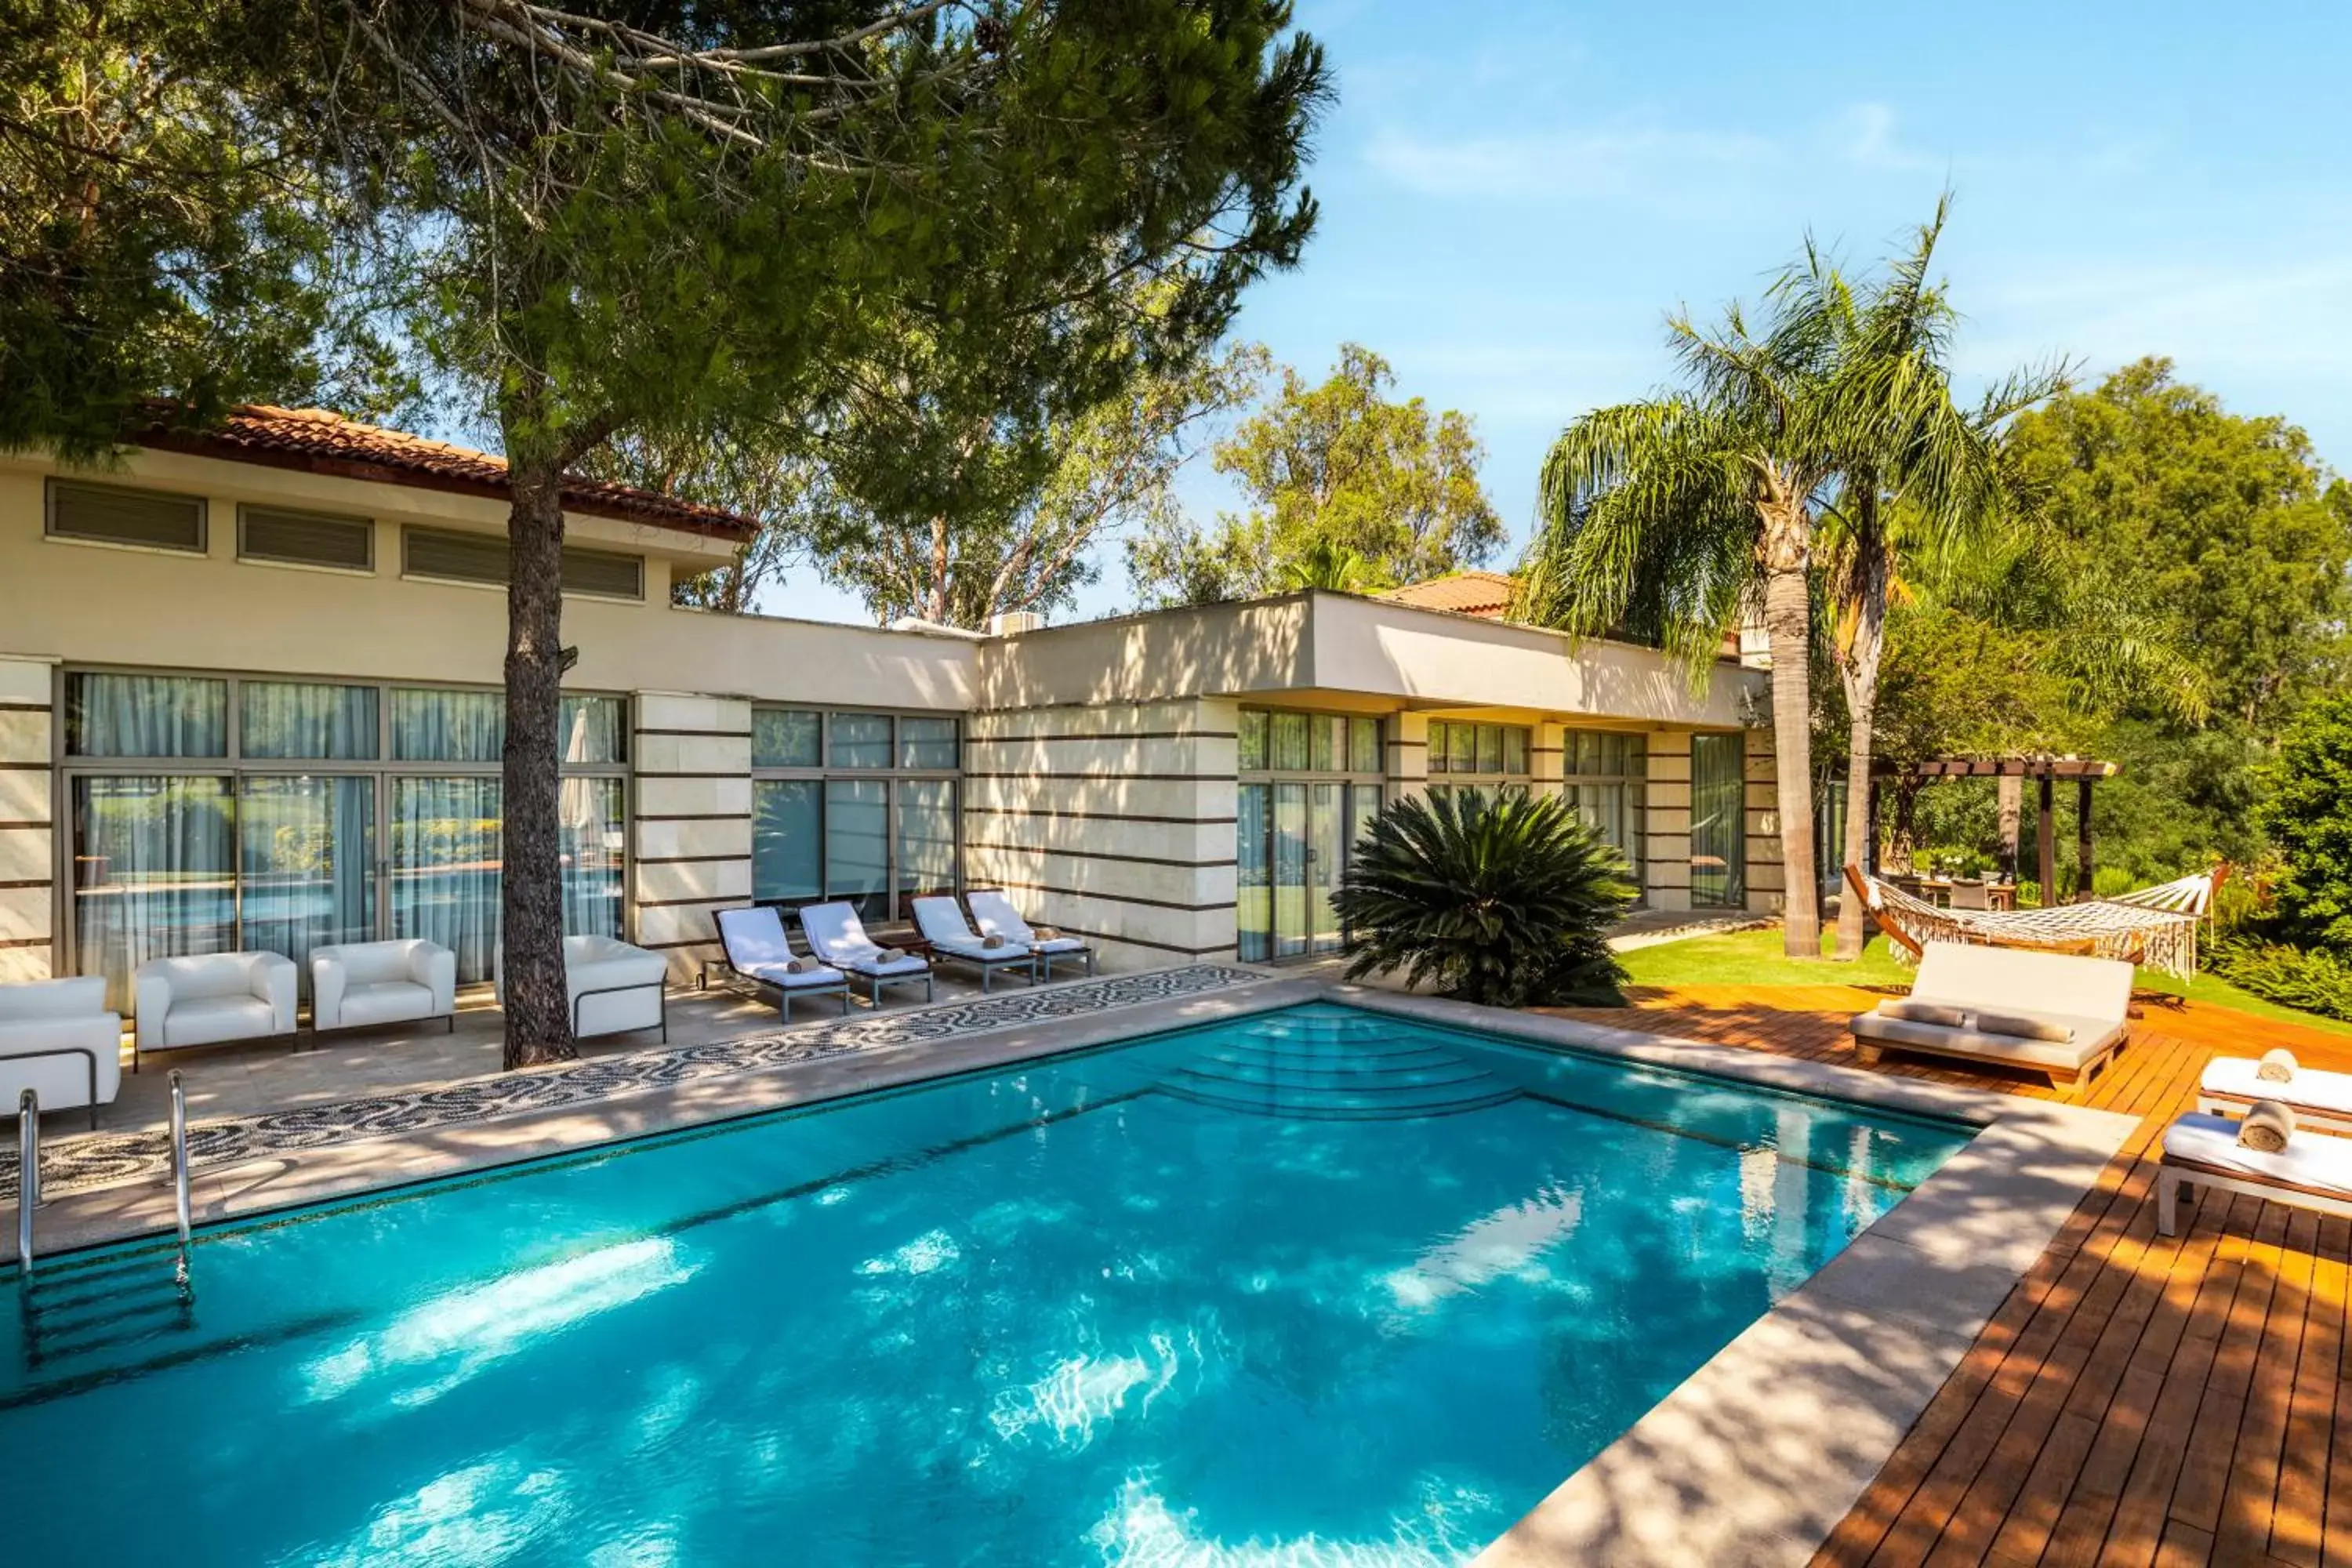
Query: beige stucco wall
x=94 y=603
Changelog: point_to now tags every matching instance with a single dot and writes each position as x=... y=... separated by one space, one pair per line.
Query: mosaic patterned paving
x=97 y=1160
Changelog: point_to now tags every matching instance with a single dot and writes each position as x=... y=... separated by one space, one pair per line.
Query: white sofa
x=2047 y=1012
x=58 y=1040
x=613 y=988
x=204 y=999
x=361 y=985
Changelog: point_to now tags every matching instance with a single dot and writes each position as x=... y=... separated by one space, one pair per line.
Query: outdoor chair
x=58 y=1040
x=838 y=937
x=993 y=914
x=208 y=998
x=758 y=949
x=942 y=925
x=2201 y=1151
x=364 y=984
x=2060 y=1015
x=1971 y=896
x=2321 y=1101
x=612 y=987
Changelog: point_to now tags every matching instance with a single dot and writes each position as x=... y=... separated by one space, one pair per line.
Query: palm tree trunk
x=538 y=1008
x=1787 y=628
x=1859 y=670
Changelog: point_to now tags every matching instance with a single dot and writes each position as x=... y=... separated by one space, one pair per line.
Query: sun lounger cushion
x=997 y=917
x=2091 y=1037
x=2025 y=1027
x=2234 y=1078
x=942 y=925
x=2314 y=1165
x=836 y=936
x=757 y=947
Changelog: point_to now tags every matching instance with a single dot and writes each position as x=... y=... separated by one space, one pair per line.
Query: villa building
x=248 y=698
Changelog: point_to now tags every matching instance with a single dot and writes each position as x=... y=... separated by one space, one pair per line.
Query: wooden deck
x=2137 y=1399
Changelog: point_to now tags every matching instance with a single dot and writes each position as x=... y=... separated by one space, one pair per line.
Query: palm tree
x=1664 y=519
x=1330 y=565
x=1915 y=475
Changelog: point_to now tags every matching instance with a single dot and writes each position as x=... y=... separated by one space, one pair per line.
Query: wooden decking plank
x=2299 y=1513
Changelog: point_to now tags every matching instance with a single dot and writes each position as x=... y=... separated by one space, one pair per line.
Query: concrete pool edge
x=1755 y=1458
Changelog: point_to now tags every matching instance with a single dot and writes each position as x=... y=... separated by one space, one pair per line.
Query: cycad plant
x=1503 y=901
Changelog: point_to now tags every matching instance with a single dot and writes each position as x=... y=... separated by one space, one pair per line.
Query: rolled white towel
x=2266 y=1128
x=797 y=966
x=2277 y=1066
x=992 y=941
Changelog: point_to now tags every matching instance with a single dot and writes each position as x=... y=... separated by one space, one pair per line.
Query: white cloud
x=1868 y=140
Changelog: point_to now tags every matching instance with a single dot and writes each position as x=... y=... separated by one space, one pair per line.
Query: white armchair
x=58 y=1040
x=361 y=985
x=613 y=988
x=204 y=999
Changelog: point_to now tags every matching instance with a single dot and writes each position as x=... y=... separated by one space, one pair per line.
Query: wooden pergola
x=2047 y=771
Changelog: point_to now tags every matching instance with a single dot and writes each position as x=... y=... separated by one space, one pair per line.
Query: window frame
x=236 y=766
x=1268 y=774
x=1478 y=776
x=891 y=775
x=246 y=557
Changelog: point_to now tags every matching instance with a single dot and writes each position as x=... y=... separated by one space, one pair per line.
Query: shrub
x=2311 y=979
x=1506 y=902
x=2308 y=815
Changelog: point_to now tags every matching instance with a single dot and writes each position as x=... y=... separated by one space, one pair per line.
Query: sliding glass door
x=306 y=862
x=1719 y=863
x=154 y=873
x=1310 y=783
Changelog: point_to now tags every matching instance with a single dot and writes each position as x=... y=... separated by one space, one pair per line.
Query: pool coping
x=1753 y=1459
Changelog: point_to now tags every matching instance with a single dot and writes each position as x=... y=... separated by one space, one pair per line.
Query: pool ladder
x=116 y=1302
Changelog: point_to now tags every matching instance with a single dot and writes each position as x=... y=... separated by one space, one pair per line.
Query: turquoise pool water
x=1316 y=1287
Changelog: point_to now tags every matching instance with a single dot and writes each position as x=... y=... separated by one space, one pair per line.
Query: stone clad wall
x=1112 y=822
x=1667 y=844
x=29 y=824
x=1766 y=883
x=690 y=834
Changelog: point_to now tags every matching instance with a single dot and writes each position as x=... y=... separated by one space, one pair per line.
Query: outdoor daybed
x=2201 y=1151
x=2048 y=1013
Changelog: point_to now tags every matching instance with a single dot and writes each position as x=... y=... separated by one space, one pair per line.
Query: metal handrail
x=180 y=1170
x=28 y=1177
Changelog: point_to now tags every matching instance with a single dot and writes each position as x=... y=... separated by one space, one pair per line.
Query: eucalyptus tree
x=1669 y=517
x=651 y=220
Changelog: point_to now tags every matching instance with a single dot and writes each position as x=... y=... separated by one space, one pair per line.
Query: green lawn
x=1754 y=958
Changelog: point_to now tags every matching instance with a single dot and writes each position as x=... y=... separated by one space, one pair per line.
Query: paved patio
x=2137 y=1399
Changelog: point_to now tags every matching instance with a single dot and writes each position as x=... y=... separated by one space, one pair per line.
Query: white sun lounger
x=838 y=937
x=993 y=914
x=942 y=925
x=2201 y=1151
x=758 y=949
x=2320 y=1101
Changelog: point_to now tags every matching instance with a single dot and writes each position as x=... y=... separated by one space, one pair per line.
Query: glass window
x=593 y=729
x=1253 y=901
x=787 y=738
x=928 y=743
x=446 y=846
x=1515 y=750
x=306 y=854
x=857 y=844
x=591 y=845
x=1364 y=746
x=787 y=839
x=1252 y=741
x=1461 y=749
x=300 y=719
x=1289 y=739
x=1490 y=748
x=860 y=741
x=926 y=837
x=430 y=726
x=1718 y=823
x=154 y=874
x=1320 y=750
x=110 y=715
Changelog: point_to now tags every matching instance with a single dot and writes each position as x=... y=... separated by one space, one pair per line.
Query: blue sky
x=1513 y=197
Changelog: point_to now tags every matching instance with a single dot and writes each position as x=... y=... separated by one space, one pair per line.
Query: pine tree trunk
x=1788 y=627
x=1859 y=670
x=530 y=897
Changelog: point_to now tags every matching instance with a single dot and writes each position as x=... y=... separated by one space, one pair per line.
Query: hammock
x=2156 y=927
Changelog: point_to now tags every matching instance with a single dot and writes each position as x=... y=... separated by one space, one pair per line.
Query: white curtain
x=446 y=840
x=306 y=857
x=590 y=820
x=154 y=874
x=296 y=718
x=146 y=716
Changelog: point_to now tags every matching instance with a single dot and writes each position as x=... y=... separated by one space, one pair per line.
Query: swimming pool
x=1318 y=1286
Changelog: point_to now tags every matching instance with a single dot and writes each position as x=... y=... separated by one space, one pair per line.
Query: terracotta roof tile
x=1486 y=594
x=320 y=441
